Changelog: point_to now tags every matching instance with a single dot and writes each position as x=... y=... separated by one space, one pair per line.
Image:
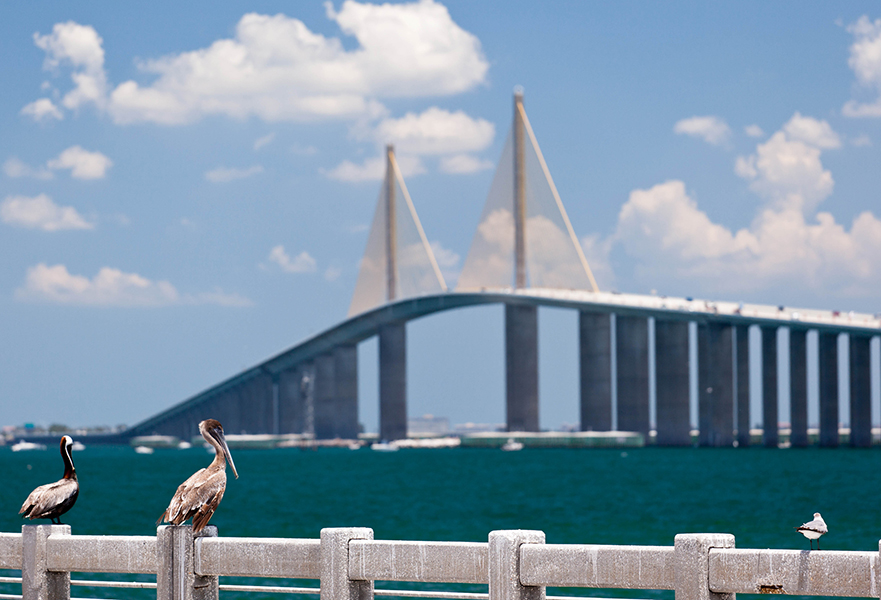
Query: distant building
x=428 y=425
x=466 y=428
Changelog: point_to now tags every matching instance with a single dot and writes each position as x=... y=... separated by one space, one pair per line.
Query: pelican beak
x=226 y=453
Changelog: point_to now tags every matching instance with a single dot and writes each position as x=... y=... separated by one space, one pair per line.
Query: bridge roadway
x=271 y=396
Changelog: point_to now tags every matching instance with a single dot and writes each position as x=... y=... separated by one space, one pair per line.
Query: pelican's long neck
x=69 y=470
x=219 y=461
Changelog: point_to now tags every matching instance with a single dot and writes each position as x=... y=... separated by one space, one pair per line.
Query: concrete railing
x=516 y=565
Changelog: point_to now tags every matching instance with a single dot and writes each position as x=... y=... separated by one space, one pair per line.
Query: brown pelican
x=199 y=496
x=52 y=500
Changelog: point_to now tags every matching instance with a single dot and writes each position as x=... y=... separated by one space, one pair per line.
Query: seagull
x=814 y=529
x=52 y=500
x=199 y=496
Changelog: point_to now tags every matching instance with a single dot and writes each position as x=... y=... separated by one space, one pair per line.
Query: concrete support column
x=828 y=343
x=504 y=565
x=632 y=357
x=176 y=578
x=672 y=370
x=37 y=581
x=798 y=388
x=346 y=391
x=692 y=564
x=521 y=367
x=715 y=385
x=595 y=354
x=742 y=375
x=291 y=399
x=860 y=391
x=393 y=381
x=256 y=395
x=324 y=392
x=770 y=418
x=334 y=571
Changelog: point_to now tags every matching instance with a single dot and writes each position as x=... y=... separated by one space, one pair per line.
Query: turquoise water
x=639 y=496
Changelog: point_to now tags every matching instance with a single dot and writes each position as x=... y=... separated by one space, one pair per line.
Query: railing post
x=692 y=559
x=37 y=582
x=175 y=576
x=335 y=582
x=504 y=565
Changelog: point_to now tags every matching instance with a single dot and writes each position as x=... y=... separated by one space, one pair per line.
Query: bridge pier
x=715 y=385
x=393 y=381
x=741 y=336
x=828 y=343
x=336 y=393
x=632 y=365
x=860 y=391
x=672 y=373
x=798 y=388
x=595 y=358
x=292 y=399
x=770 y=418
x=521 y=367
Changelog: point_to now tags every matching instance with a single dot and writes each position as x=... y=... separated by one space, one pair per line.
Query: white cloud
x=786 y=169
x=40 y=212
x=754 y=131
x=671 y=237
x=332 y=273
x=276 y=69
x=811 y=131
x=110 y=287
x=13 y=167
x=373 y=169
x=447 y=261
x=865 y=60
x=263 y=141
x=712 y=130
x=82 y=163
x=435 y=132
x=861 y=141
x=225 y=175
x=80 y=47
x=42 y=110
x=460 y=164
x=302 y=263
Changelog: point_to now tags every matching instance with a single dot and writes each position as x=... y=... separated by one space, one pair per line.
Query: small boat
x=143 y=449
x=384 y=446
x=512 y=445
x=23 y=445
x=78 y=447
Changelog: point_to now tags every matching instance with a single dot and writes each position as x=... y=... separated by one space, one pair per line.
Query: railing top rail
x=442 y=562
x=258 y=557
x=10 y=551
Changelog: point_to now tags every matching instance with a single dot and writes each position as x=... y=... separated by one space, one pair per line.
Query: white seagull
x=814 y=529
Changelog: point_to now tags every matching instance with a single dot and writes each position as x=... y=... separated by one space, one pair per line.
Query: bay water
x=641 y=496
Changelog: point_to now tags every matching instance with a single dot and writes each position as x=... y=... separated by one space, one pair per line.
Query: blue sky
x=186 y=190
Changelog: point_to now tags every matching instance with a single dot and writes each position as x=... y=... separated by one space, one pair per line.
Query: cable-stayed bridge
x=525 y=254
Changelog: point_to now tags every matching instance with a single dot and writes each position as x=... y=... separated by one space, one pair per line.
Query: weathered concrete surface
x=37 y=581
x=176 y=577
x=819 y=573
x=102 y=553
x=598 y=566
x=10 y=551
x=259 y=557
x=692 y=560
x=335 y=581
x=595 y=358
x=504 y=565
x=442 y=562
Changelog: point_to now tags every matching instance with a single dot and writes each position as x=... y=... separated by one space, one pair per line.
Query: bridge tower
x=398 y=263
x=524 y=240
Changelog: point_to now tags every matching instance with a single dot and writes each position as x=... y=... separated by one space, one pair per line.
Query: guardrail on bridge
x=515 y=565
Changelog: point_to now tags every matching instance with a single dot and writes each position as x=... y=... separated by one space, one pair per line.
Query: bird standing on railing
x=52 y=500
x=199 y=496
x=814 y=529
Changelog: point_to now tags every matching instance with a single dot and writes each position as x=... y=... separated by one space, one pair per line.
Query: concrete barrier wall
x=515 y=564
